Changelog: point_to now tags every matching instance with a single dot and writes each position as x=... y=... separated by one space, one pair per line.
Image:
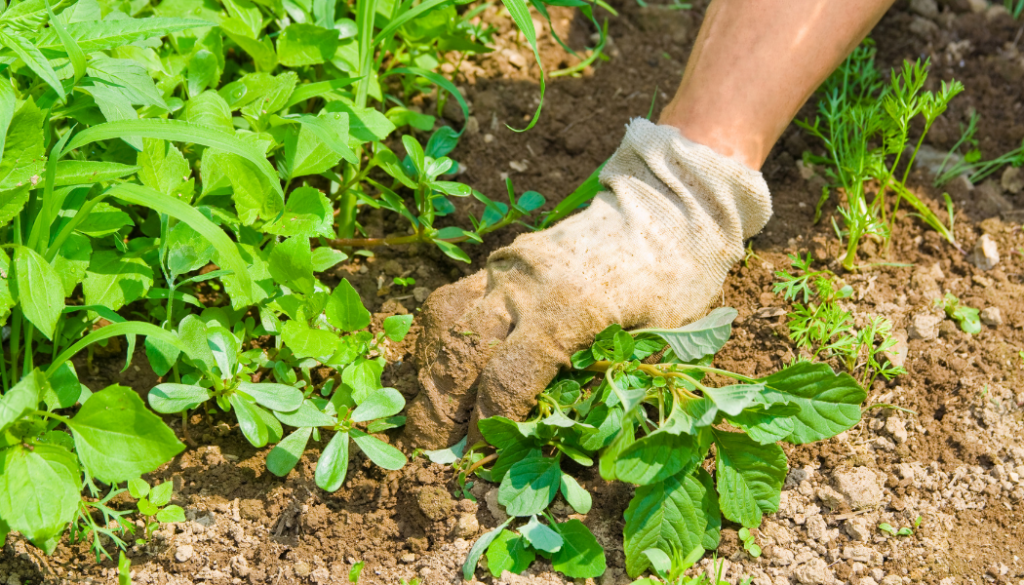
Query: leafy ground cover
x=945 y=455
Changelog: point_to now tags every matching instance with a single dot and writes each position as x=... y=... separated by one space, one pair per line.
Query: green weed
x=652 y=425
x=966 y=317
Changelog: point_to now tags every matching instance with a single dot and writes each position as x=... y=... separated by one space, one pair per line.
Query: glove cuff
x=655 y=160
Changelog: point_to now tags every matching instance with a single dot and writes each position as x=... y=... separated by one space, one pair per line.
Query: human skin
x=756 y=62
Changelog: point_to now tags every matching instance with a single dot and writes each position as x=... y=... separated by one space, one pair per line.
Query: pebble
x=1012 y=180
x=992 y=316
x=858 y=529
x=184 y=553
x=926 y=8
x=924 y=326
x=830 y=497
x=978 y=6
x=816 y=527
x=408 y=558
x=814 y=572
x=302 y=569
x=897 y=429
x=466 y=526
x=781 y=557
x=986 y=253
x=420 y=293
x=860 y=487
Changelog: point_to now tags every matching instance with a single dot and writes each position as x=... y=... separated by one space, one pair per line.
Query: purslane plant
x=653 y=425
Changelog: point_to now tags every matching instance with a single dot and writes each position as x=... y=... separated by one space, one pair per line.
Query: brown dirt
x=956 y=460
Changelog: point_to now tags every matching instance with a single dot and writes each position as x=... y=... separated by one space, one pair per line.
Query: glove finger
x=462 y=327
x=515 y=375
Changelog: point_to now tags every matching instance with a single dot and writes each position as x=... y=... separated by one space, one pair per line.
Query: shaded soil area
x=951 y=454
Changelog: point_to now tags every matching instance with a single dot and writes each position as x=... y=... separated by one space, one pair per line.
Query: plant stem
x=481 y=463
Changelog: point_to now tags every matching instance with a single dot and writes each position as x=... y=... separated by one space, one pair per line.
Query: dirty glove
x=652 y=251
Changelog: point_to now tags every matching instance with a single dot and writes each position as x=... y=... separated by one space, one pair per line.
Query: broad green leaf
x=203 y=72
x=64 y=389
x=72 y=260
x=304 y=153
x=7 y=103
x=325 y=258
x=702 y=337
x=225 y=348
x=292 y=265
x=138 y=488
x=540 y=536
x=667 y=515
x=249 y=421
x=181 y=131
x=275 y=432
x=115 y=107
x=22 y=163
x=103 y=219
x=333 y=464
x=23 y=397
x=690 y=416
x=187 y=250
x=306 y=342
x=262 y=51
x=307 y=213
x=397 y=326
x=364 y=124
x=161 y=494
x=84 y=172
x=30 y=54
x=131 y=79
x=286 y=454
x=38 y=514
x=733 y=399
x=114 y=280
x=311 y=90
x=250 y=190
x=192 y=332
x=575 y=495
x=581 y=556
x=12 y=201
x=829 y=403
x=170 y=515
x=765 y=426
x=74 y=52
x=379 y=404
x=103 y=35
x=610 y=456
x=529 y=486
x=38 y=289
x=449 y=455
x=164 y=169
x=299 y=45
x=453 y=251
x=481 y=545
x=750 y=477
x=345 y=309
x=172 y=398
x=117 y=438
x=509 y=552
x=332 y=129
x=247 y=13
x=660 y=562
x=273 y=396
x=657 y=457
x=709 y=504
x=307 y=415
x=209 y=109
x=378 y=451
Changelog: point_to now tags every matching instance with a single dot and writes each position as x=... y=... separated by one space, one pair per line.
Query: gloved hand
x=652 y=251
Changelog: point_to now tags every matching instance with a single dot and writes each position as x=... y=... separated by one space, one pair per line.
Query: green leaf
x=23 y=397
x=397 y=326
x=30 y=54
x=709 y=505
x=829 y=403
x=574 y=493
x=453 y=251
x=249 y=421
x=509 y=552
x=203 y=72
x=449 y=455
x=171 y=514
x=84 y=172
x=482 y=544
x=299 y=45
x=291 y=264
x=305 y=153
x=332 y=130
x=307 y=415
x=750 y=477
x=365 y=124
x=147 y=508
x=307 y=213
x=311 y=90
x=379 y=404
x=345 y=309
x=181 y=131
x=333 y=464
x=286 y=454
x=306 y=342
x=768 y=425
x=38 y=289
x=103 y=35
x=378 y=451
x=161 y=494
x=657 y=457
x=7 y=103
x=702 y=337
x=117 y=438
x=187 y=250
x=660 y=561
x=209 y=109
x=733 y=399
x=581 y=556
x=75 y=54
x=529 y=486
x=38 y=514
x=690 y=416
x=273 y=396
x=131 y=79
x=325 y=258
x=138 y=488
x=667 y=515
x=172 y=398
x=164 y=169
x=261 y=51
x=23 y=158
x=114 y=280
x=541 y=537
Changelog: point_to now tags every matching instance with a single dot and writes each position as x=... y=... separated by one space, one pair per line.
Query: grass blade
x=75 y=54
x=521 y=15
x=32 y=57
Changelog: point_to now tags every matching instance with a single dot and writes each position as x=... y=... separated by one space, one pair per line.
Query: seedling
x=124 y=569
x=966 y=317
x=653 y=425
x=819 y=325
x=355 y=571
x=153 y=505
x=749 y=542
x=403 y=282
x=905 y=531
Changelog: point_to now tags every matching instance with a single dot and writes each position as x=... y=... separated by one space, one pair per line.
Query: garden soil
x=942 y=444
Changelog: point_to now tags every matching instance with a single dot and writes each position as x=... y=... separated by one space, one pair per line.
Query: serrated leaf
x=667 y=515
x=306 y=44
x=38 y=290
x=656 y=457
x=750 y=477
x=307 y=213
x=702 y=337
x=117 y=438
x=829 y=403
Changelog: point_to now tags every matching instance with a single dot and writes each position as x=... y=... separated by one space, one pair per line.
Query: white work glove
x=653 y=251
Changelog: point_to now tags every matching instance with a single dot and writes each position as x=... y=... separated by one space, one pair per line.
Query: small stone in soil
x=986 y=253
x=302 y=569
x=184 y=553
x=924 y=326
x=992 y=316
x=860 y=486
